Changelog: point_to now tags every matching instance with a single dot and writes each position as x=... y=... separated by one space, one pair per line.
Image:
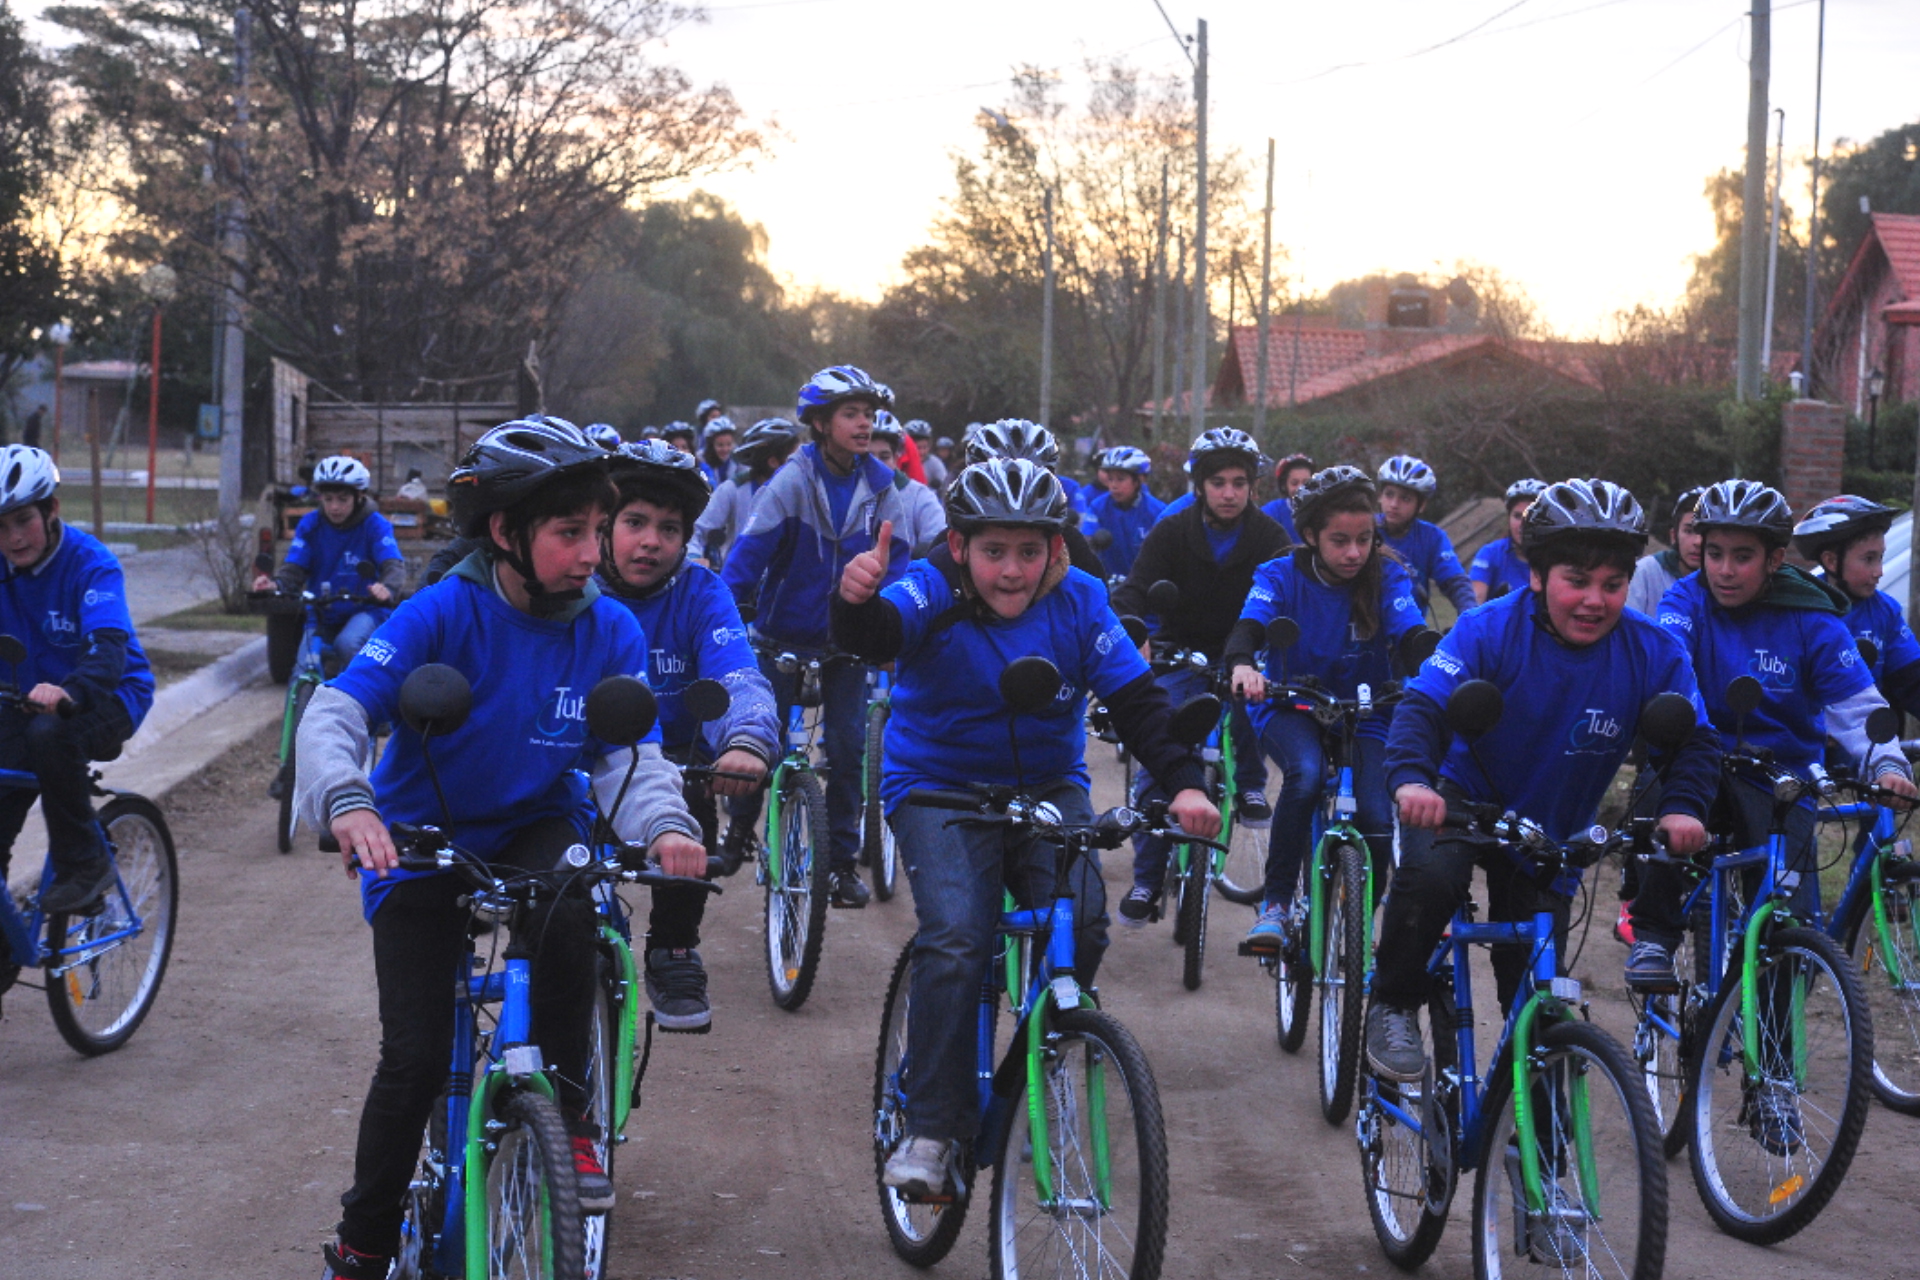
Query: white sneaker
x=919 y=1167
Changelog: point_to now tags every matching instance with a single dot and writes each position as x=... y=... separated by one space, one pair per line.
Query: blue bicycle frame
x=23 y=933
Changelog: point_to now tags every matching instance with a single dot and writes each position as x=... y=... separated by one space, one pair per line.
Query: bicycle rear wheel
x=1105 y=1213
x=877 y=849
x=425 y=1205
x=1603 y=1183
x=1890 y=978
x=284 y=829
x=1405 y=1133
x=1243 y=873
x=1193 y=916
x=105 y=972
x=1293 y=985
x=533 y=1227
x=922 y=1232
x=1770 y=1148
x=1342 y=986
x=603 y=1031
x=796 y=917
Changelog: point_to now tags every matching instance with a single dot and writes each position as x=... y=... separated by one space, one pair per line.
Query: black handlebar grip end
x=329 y=843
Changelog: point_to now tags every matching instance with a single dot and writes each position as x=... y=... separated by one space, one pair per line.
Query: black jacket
x=1211 y=594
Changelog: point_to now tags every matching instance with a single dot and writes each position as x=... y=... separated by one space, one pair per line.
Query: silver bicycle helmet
x=1745 y=504
x=1006 y=491
x=1593 y=508
x=342 y=472
x=1324 y=486
x=1013 y=438
x=1409 y=472
x=1222 y=447
x=1832 y=524
x=1524 y=490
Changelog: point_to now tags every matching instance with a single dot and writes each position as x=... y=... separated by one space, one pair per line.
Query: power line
x=1177 y=37
x=1417 y=53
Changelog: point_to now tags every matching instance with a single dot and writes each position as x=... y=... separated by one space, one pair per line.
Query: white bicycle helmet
x=27 y=476
x=1124 y=457
x=342 y=472
x=1408 y=472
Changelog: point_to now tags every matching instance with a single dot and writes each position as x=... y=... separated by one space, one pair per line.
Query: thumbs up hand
x=866 y=571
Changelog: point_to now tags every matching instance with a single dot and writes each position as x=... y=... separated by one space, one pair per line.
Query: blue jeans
x=1150 y=853
x=957 y=873
x=843 y=724
x=1293 y=739
x=353 y=635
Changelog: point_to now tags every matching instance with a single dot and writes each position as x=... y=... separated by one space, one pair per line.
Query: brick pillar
x=1813 y=447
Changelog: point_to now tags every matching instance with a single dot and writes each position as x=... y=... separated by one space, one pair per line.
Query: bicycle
x=1070 y=1117
x=1561 y=1132
x=104 y=965
x=877 y=849
x=1771 y=1025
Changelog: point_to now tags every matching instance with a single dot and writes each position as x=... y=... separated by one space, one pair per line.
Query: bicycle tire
x=1027 y=1240
x=100 y=1001
x=1342 y=984
x=796 y=908
x=1625 y=1169
x=1193 y=917
x=283 y=830
x=1891 y=984
x=1243 y=872
x=602 y=1053
x=1408 y=1173
x=533 y=1226
x=1747 y=1197
x=424 y=1209
x=1293 y=991
x=285 y=631
x=921 y=1233
x=877 y=848
x=1665 y=1058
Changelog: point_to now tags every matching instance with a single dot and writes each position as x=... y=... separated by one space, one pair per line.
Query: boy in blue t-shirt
x=63 y=597
x=1847 y=538
x=1000 y=588
x=694 y=632
x=1406 y=484
x=328 y=547
x=1501 y=565
x=1746 y=612
x=524 y=622
x=1289 y=474
x=1575 y=668
x=1126 y=511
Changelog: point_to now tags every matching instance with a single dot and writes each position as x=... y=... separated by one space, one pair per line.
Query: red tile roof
x=1896 y=236
x=1299 y=350
x=1332 y=361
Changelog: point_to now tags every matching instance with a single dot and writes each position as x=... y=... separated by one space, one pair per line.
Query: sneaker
x=735 y=847
x=1623 y=927
x=1393 y=1044
x=1269 y=933
x=677 y=986
x=1773 y=1117
x=590 y=1176
x=1253 y=810
x=921 y=1167
x=848 y=890
x=1139 y=906
x=75 y=891
x=350 y=1264
x=1650 y=968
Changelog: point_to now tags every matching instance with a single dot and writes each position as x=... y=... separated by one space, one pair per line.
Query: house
x=1872 y=324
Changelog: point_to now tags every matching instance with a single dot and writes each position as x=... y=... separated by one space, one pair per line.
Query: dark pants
x=1746 y=812
x=1433 y=879
x=1249 y=773
x=679 y=909
x=419 y=943
x=57 y=752
x=1294 y=741
x=958 y=873
x=843 y=725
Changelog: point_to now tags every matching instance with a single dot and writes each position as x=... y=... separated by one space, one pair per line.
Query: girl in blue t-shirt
x=1501 y=565
x=328 y=547
x=1352 y=602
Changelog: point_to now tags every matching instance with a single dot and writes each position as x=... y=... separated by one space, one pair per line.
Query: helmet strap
x=541 y=602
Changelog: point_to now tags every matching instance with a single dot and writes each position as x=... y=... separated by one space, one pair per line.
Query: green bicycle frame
x=1525 y=1122
x=294 y=686
x=770 y=833
x=1883 y=927
x=1319 y=871
x=487 y=1086
x=1229 y=793
x=1033 y=1020
x=629 y=1029
x=1750 y=996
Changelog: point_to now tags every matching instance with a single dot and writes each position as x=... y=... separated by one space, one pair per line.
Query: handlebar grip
x=418 y=862
x=329 y=843
x=935 y=799
x=66 y=709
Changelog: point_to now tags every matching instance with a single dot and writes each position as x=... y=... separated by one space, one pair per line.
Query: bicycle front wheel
x=106 y=968
x=603 y=1032
x=1405 y=1132
x=1889 y=969
x=922 y=1231
x=1342 y=985
x=1243 y=872
x=533 y=1203
x=1193 y=916
x=797 y=899
x=1101 y=1210
x=1293 y=988
x=1601 y=1210
x=1771 y=1145
x=284 y=829
x=877 y=849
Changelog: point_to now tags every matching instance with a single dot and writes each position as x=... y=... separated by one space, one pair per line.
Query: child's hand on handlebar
x=1421 y=806
x=738 y=761
x=378 y=591
x=364 y=842
x=261 y=582
x=1249 y=684
x=46 y=698
x=1684 y=834
x=1898 y=783
x=679 y=854
x=1195 y=813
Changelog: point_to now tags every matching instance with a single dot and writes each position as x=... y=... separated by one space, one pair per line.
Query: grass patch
x=170 y=665
x=209 y=616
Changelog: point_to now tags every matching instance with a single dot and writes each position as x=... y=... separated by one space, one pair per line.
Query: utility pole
x=1160 y=306
x=1773 y=240
x=1182 y=331
x=1266 y=293
x=232 y=371
x=1813 y=226
x=1753 y=262
x=1200 y=324
x=1046 y=318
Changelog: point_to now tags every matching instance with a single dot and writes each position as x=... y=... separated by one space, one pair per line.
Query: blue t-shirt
x=694 y=631
x=1570 y=713
x=1804 y=659
x=332 y=553
x=1879 y=619
x=839 y=493
x=948 y=727
x=1281 y=509
x=518 y=757
x=1428 y=553
x=1128 y=525
x=1501 y=568
x=1327 y=649
x=54 y=608
x=1221 y=541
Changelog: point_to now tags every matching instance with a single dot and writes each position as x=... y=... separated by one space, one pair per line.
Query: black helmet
x=1323 y=486
x=1524 y=490
x=1007 y=491
x=1832 y=524
x=1223 y=447
x=1013 y=438
x=510 y=462
x=1745 y=504
x=1595 y=508
x=769 y=435
x=658 y=467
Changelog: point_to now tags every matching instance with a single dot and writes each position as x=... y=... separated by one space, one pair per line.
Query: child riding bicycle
x=328 y=547
x=1407 y=484
x=1501 y=565
x=998 y=589
x=1127 y=510
x=524 y=622
x=85 y=679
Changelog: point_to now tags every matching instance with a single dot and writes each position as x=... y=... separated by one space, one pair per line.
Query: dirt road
x=216 y=1144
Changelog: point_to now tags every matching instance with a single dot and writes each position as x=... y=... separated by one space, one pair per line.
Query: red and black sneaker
x=344 y=1263
x=596 y=1188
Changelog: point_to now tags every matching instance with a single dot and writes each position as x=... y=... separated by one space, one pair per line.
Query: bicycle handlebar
x=65 y=709
x=1003 y=806
x=1595 y=843
x=426 y=848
